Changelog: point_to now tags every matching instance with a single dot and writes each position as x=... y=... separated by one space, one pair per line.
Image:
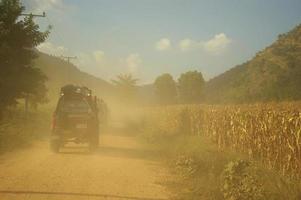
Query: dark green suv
x=75 y=118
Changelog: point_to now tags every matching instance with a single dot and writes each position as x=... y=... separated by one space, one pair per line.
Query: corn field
x=268 y=132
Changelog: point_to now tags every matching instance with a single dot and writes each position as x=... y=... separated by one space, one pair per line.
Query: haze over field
x=150 y=99
x=148 y=38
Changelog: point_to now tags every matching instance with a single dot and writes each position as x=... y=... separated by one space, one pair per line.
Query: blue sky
x=151 y=37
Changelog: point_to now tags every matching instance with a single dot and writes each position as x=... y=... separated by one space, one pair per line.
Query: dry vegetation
x=269 y=132
x=230 y=152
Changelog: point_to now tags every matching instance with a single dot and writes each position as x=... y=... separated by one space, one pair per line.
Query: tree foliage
x=126 y=86
x=191 y=87
x=165 y=89
x=18 y=38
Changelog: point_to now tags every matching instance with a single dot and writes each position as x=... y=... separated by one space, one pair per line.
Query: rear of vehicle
x=74 y=120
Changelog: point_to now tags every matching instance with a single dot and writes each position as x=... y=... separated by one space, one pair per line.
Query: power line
x=68 y=58
x=58 y=33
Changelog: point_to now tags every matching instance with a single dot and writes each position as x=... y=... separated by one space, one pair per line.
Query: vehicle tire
x=55 y=145
x=94 y=141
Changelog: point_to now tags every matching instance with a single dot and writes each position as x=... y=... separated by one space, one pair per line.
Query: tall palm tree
x=125 y=80
x=126 y=85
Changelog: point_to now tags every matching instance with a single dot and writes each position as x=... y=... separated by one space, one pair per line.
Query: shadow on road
x=77 y=194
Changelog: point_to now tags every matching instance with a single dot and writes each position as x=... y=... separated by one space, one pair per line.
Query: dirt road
x=120 y=169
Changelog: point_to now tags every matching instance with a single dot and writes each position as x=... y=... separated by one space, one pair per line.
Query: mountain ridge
x=274 y=74
x=60 y=72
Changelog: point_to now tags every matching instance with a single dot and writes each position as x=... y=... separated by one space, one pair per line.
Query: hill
x=60 y=72
x=274 y=74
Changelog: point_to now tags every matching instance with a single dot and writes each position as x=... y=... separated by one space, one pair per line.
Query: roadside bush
x=18 y=130
x=204 y=171
x=241 y=182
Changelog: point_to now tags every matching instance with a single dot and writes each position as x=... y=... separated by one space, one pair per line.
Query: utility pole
x=27 y=95
x=68 y=58
x=34 y=15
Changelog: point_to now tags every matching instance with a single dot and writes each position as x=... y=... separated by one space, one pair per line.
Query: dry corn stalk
x=270 y=132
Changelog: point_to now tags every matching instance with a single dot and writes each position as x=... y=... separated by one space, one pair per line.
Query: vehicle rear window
x=74 y=105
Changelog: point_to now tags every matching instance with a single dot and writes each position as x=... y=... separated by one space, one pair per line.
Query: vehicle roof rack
x=74 y=89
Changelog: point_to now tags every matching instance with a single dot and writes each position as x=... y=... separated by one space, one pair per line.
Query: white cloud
x=85 y=60
x=188 y=44
x=98 y=56
x=133 y=61
x=217 y=44
x=214 y=46
x=185 y=44
x=163 y=44
x=52 y=49
x=89 y=60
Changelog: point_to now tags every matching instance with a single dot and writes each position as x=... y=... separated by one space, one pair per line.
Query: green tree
x=126 y=86
x=18 y=39
x=165 y=89
x=191 y=87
